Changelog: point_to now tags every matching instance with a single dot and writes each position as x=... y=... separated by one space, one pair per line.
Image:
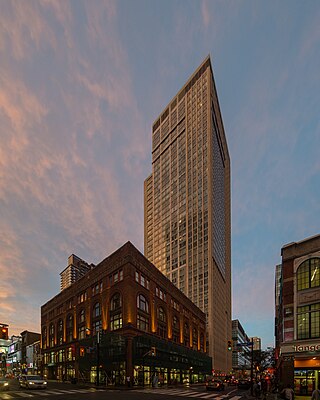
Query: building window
x=69 y=328
x=160 y=293
x=186 y=335
x=82 y=317
x=115 y=321
x=195 y=339
x=142 y=303
x=143 y=322
x=115 y=312
x=60 y=331
x=308 y=274
x=162 y=323
x=96 y=327
x=51 y=335
x=142 y=280
x=97 y=288
x=44 y=338
x=96 y=310
x=81 y=332
x=201 y=342
x=116 y=277
x=308 y=321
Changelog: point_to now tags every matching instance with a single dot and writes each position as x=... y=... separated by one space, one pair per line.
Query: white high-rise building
x=187 y=205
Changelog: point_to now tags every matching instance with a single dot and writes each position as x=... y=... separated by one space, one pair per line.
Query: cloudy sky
x=81 y=83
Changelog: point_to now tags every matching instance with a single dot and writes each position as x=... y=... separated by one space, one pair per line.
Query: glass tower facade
x=187 y=205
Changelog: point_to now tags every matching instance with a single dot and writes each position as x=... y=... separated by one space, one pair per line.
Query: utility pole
x=251 y=374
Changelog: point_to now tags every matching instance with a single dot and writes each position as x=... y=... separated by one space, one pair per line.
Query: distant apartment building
x=127 y=313
x=241 y=355
x=256 y=343
x=297 y=308
x=75 y=270
x=187 y=205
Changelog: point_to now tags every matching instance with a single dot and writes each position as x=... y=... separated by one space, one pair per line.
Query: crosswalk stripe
x=23 y=394
x=235 y=398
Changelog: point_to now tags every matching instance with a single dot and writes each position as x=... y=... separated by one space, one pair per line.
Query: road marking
x=23 y=394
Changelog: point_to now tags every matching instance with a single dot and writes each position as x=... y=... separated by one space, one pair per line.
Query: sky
x=81 y=83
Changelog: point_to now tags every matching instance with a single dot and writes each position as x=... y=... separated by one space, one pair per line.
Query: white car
x=33 y=382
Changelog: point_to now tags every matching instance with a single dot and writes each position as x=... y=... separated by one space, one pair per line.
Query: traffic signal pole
x=98 y=357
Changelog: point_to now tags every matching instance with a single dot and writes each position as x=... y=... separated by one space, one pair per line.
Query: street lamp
x=98 y=354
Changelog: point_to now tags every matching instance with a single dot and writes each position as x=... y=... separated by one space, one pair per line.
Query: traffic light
x=229 y=345
x=153 y=351
x=82 y=351
x=4 y=333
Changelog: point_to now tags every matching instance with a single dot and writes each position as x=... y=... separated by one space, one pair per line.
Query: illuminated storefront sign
x=306 y=347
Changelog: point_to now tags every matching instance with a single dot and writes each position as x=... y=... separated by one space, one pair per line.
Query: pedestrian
x=287 y=393
x=316 y=394
x=128 y=381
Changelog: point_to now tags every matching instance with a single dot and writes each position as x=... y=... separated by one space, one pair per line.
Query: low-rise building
x=124 y=319
x=297 y=309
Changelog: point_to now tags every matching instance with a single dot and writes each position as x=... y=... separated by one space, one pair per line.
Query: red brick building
x=298 y=315
x=132 y=310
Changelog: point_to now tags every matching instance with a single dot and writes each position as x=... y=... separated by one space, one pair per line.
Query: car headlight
x=6 y=384
x=31 y=383
x=45 y=383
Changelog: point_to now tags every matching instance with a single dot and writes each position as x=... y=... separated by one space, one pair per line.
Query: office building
x=128 y=315
x=241 y=355
x=297 y=310
x=187 y=205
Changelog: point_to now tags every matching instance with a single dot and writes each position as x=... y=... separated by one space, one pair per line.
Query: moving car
x=4 y=384
x=214 y=384
x=32 y=382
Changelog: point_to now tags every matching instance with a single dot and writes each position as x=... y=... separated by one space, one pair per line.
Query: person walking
x=316 y=394
x=288 y=393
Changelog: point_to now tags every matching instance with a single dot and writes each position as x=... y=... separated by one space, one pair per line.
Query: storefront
x=299 y=365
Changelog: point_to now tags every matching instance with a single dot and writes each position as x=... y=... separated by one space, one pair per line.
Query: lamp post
x=98 y=355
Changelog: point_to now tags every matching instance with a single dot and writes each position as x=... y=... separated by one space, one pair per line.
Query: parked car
x=244 y=384
x=214 y=384
x=4 y=384
x=32 y=382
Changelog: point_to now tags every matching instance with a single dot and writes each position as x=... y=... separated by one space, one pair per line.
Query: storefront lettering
x=302 y=348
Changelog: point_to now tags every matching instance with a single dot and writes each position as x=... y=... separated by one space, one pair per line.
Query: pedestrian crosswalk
x=192 y=394
x=40 y=394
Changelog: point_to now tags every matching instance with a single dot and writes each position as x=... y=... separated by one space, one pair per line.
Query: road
x=74 y=392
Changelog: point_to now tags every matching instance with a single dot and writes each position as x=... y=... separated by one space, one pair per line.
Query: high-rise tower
x=187 y=205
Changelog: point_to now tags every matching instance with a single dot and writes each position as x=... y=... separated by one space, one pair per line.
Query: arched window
x=115 y=302
x=162 y=323
x=82 y=316
x=161 y=315
x=186 y=334
x=142 y=303
x=201 y=342
x=51 y=335
x=81 y=332
x=308 y=274
x=69 y=328
x=96 y=310
x=195 y=339
x=115 y=312
x=175 y=329
x=60 y=332
x=142 y=314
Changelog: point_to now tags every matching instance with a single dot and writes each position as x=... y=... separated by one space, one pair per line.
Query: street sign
x=245 y=344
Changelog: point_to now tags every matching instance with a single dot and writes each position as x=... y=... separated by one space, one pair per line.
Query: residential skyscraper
x=187 y=205
x=74 y=271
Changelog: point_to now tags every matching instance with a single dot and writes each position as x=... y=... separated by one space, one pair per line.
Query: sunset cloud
x=80 y=86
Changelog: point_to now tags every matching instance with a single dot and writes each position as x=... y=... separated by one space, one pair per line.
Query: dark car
x=244 y=384
x=214 y=384
x=4 y=384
